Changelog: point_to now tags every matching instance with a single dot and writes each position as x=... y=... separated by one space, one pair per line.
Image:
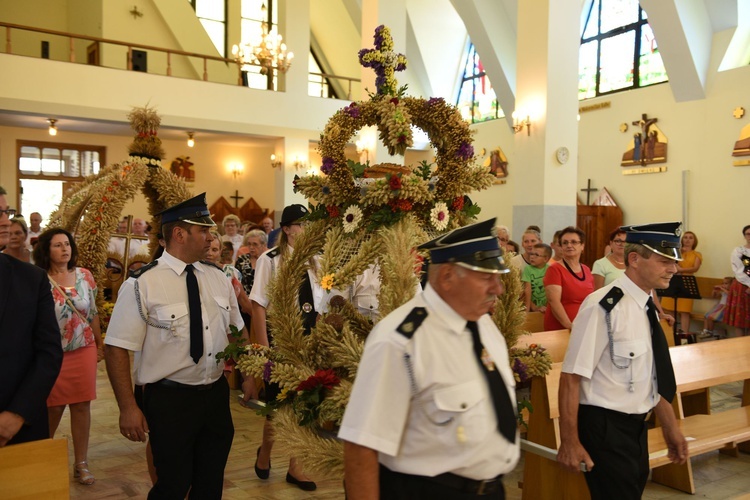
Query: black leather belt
x=640 y=417
x=466 y=485
x=177 y=385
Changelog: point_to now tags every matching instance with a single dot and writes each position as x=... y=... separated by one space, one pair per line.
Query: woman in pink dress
x=74 y=293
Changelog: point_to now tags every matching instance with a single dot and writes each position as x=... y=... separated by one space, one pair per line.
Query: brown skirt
x=77 y=380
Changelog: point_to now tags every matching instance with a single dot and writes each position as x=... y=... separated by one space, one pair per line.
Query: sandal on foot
x=83 y=474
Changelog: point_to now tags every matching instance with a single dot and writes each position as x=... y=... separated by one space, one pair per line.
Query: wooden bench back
x=534 y=322
x=554 y=341
x=706 y=285
x=696 y=366
x=38 y=469
x=707 y=364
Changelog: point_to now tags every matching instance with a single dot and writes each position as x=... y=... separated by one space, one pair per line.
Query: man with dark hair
x=432 y=411
x=617 y=370
x=31 y=353
x=175 y=314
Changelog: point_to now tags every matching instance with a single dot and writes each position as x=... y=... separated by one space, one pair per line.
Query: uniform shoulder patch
x=412 y=321
x=212 y=264
x=138 y=272
x=274 y=252
x=610 y=300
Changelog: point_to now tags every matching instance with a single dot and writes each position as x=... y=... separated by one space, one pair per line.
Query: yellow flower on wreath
x=326 y=282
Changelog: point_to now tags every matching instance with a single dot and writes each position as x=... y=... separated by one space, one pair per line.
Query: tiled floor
x=120 y=465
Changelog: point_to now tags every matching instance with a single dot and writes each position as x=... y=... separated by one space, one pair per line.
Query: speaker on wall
x=45 y=49
x=140 y=60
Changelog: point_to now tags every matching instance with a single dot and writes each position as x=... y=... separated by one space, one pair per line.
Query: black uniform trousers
x=399 y=486
x=618 y=445
x=191 y=434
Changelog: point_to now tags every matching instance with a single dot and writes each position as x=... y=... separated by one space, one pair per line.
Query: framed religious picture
x=497 y=162
x=182 y=167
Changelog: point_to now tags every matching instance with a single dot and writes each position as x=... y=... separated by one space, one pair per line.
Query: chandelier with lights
x=269 y=52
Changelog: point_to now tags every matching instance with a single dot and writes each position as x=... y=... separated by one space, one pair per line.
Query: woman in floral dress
x=74 y=293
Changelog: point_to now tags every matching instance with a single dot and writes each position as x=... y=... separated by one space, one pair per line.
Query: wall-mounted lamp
x=518 y=125
x=236 y=169
x=299 y=164
x=191 y=139
x=52 y=127
x=274 y=162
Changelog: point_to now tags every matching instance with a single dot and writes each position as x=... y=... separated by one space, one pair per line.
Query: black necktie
x=664 y=370
x=506 y=415
x=196 y=317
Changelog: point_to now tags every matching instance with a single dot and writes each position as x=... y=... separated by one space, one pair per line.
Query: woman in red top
x=567 y=282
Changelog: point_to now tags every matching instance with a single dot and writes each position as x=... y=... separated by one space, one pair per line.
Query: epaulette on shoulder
x=610 y=300
x=274 y=252
x=412 y=321
x=138 y=272
x=212 y=264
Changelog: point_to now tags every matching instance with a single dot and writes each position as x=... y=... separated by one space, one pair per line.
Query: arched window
x=618 y=49
x=476 y=101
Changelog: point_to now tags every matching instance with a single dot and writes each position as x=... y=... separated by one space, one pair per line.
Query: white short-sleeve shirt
x=383 y=414
x=608 y=375
x=165 y=352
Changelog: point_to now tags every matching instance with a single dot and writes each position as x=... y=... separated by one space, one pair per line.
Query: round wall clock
x=562 y=154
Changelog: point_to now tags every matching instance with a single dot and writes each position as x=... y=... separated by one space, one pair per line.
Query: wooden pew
x=534 y=322
x=697 y=366
x=701 y=366
x=34 y=470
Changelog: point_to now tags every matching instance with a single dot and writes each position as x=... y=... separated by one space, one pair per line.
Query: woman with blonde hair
x=690 y=264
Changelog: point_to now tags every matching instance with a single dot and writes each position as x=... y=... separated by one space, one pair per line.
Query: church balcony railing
x=71 y=47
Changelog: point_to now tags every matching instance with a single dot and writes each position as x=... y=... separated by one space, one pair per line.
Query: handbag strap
x=67 y=300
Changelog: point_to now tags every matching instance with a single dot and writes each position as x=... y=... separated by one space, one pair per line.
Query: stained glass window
x=476 y=101
x=618 y=49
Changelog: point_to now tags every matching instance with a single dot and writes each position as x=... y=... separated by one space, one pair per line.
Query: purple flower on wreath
x=433 y=101
x=465 y=151
x=379 y=37
x=352 y=110
x=267 y=368
x=328 y=164
x=520 y=369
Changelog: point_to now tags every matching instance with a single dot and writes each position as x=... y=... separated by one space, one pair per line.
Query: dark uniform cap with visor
x=661 y=237
x=474 y=247
x=293 y=213
x=193 y=211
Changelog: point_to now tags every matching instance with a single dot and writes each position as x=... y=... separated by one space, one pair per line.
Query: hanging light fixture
x=269 y=52
x=191 y=140
x=52 y=127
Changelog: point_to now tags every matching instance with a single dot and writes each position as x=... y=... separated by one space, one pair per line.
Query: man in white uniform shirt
x=175 y=315
x=617 y=370
x=432 y=410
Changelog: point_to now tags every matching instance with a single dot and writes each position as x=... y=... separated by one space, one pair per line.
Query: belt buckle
x=482 y=485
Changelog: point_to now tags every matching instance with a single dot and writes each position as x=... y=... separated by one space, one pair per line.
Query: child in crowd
x=716 y=314
x=533 y=278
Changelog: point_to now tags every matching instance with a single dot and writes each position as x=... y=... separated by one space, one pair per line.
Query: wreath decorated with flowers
x=366 y=217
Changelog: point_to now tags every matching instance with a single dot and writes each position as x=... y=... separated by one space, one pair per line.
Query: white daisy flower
x=439 y=216
x=352 y=218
